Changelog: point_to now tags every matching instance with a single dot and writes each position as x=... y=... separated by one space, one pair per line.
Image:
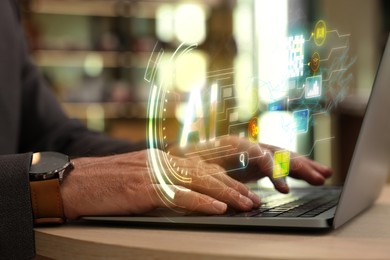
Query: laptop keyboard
x=296 y=204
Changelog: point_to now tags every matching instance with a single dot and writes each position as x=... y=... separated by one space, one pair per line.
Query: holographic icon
x=319 y=33
x=301 y=118
x=253 y=130
x=281 y=164
x=296 y=56
x=279 y=105
x=313 y=87
x=242 y=160
x=314 y=63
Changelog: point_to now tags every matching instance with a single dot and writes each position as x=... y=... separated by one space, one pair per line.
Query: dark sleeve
x=16 y=227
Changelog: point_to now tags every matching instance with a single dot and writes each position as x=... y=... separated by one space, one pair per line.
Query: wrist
x=69 y=192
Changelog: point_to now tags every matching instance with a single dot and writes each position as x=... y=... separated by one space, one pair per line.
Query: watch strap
x=47 y=201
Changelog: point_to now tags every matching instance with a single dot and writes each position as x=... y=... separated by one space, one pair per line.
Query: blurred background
x=93 y=54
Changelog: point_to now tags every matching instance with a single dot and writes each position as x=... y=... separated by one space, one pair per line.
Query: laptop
x=314 y=207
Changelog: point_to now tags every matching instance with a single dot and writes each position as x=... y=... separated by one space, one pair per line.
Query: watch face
x=46 y=165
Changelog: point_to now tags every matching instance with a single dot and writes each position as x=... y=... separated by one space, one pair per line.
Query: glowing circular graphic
x=314 y=62
x=165 y=168
x=320 y=33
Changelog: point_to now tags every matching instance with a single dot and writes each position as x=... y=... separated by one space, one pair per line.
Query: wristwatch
x=47 y=171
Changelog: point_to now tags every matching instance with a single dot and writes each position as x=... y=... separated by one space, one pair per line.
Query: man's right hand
x=122 y=185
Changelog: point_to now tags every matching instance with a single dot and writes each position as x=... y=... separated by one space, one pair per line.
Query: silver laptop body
x=369 y=167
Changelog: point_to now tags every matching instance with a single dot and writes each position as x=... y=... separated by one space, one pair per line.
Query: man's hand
x=261 y=165
x=260 y=161
x=122 y=185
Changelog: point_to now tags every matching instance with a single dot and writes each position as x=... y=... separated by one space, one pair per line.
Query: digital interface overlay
x=317 y=80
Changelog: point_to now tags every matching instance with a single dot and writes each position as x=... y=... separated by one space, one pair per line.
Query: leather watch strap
x=47 y=201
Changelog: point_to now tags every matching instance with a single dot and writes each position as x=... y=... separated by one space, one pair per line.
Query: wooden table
x=365 y=237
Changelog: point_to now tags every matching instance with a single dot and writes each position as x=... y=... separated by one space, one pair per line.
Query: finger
x=220 y=174
x=266 y=163
x=200 y=178
x=203 y=181
x=322 y=169
x=280 y=184
x=192 y=201
x=304 y=169
x=240 y=187
x=213 y=187
x=300 y=168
